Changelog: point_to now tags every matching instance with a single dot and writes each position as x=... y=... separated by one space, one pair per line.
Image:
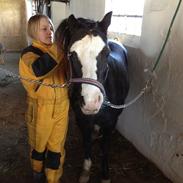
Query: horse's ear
x=72 y=22
x=105 y=22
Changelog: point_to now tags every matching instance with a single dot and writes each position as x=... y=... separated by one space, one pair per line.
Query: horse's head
x=85 y=41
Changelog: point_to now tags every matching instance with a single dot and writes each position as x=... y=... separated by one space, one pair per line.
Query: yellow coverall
x=47 y=114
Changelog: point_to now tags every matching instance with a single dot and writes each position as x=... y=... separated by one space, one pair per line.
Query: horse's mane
x=88 y=23
x=62 y=35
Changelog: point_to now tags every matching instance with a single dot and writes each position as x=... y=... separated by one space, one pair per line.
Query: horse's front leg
x=105 y=146
x=85 y=174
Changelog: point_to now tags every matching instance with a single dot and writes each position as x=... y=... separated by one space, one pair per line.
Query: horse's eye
x=75 y=64
x=69 y=55
x=105 y=51
x=72 y=56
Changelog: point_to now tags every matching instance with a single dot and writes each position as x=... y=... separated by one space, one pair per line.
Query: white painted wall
x=92 y=9
x=157 y=17
x=154 y=123
x=58 y=12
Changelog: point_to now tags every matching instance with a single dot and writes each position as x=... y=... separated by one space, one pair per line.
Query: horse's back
x=117 y=84
x=118 y=52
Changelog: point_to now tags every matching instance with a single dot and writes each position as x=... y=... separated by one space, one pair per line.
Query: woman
x=47 y=114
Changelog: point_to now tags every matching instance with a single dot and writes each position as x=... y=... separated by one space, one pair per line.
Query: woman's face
x=45 y=32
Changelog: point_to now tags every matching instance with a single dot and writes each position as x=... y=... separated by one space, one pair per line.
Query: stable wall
x=13 y=24
x=92 y=9
x=154 y=123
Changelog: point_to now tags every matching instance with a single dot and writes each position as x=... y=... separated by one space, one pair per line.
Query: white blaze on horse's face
x=87 y=49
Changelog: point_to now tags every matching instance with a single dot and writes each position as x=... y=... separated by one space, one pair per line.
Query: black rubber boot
x=39 y=177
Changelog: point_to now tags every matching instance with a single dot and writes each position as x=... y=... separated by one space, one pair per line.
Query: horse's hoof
x=106 y=181
x=84 y=177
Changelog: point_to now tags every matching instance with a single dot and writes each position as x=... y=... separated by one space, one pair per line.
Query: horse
x=99 y=72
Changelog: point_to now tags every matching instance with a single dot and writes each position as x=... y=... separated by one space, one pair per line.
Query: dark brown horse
x=100 y=67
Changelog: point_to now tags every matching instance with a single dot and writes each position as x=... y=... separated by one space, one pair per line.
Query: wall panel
x=13 y=24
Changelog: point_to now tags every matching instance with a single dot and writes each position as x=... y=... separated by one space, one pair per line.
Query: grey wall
x=154 y=123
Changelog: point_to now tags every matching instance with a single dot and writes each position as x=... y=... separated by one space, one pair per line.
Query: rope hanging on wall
x=167 y=36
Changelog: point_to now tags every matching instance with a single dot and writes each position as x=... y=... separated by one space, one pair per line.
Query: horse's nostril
x=96 y=110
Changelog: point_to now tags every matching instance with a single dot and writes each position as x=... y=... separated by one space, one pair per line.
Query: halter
x=84 y=80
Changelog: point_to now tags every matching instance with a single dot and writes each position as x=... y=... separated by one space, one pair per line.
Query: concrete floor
x=127 y=165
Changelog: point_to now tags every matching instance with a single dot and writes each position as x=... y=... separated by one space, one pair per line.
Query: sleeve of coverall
x=46 y=62
x=41 y=66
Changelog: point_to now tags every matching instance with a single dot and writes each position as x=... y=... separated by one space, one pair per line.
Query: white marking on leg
x=87 y=164
x=96 y=128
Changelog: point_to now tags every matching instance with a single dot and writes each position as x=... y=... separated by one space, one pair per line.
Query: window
x=127 y=16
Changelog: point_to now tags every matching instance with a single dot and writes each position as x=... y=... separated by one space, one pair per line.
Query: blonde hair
x=34 y=23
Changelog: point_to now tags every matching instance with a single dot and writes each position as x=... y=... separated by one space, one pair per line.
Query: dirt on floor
x=127 y=165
